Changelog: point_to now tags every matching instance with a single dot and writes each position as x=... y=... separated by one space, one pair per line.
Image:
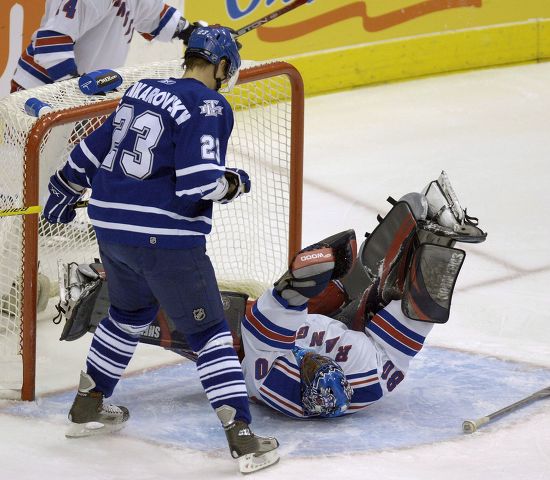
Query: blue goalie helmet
x=214 y=44
x=325 y=389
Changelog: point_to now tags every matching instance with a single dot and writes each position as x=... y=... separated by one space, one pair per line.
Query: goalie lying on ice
x=339 y=329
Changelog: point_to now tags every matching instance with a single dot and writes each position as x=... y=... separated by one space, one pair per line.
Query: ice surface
x=489 y=131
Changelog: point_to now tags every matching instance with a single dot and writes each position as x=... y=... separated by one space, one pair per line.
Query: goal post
x=251 y=241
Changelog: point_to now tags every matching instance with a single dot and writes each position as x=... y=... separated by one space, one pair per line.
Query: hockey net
x=251 y=240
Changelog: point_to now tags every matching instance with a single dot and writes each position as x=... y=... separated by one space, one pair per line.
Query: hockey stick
x=470 y=426
x=269 y=17
x=34 y=209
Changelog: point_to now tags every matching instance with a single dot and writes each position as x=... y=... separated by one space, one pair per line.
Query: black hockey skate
x=90 y=416
x=252 y=451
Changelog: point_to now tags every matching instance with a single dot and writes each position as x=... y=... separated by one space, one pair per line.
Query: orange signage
x=19 y=20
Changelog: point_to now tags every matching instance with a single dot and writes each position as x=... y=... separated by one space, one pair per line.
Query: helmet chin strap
x=219 y=81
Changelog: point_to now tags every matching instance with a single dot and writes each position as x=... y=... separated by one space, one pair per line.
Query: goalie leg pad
x=383 y=255
x=430 y=283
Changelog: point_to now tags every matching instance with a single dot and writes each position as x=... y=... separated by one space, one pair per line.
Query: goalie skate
x=90 y=416
x=446 y=218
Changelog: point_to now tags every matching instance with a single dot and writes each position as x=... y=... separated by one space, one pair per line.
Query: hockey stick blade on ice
x=269 y=17
x=470 y=426
x=34 y=209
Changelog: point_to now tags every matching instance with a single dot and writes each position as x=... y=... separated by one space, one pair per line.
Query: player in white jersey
x=80 y=36
x=330 y=338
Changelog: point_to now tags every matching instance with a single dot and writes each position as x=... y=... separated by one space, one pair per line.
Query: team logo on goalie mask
x=211 y=108
x=199 y=314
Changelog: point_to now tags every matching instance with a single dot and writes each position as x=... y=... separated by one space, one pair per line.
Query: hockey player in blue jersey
x=155 y=167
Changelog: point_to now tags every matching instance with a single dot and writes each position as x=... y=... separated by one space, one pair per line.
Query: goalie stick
x=270 y=16
x=34 y=209
x=470 y=426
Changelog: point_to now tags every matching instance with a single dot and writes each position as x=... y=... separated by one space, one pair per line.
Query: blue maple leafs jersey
x=152 y=162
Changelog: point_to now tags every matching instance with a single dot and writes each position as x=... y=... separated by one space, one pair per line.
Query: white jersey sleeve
x=63 y=24
x=74 y=17
x=80 y=36
x=156 y=20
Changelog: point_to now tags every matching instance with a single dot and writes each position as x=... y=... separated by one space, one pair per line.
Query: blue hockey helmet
x=214 y=44
x=325 y=390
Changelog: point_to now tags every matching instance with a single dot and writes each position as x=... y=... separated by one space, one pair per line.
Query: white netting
x=249 y=242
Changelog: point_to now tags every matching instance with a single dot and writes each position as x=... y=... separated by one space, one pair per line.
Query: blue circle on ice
x=442 y=389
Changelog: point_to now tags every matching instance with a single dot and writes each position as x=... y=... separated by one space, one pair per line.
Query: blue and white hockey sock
x=220 y=371
x=113 y=345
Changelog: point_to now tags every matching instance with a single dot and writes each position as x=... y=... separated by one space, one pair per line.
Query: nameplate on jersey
x=99 y=82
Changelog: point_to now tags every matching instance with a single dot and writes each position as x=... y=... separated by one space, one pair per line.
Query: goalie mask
x=325 y=389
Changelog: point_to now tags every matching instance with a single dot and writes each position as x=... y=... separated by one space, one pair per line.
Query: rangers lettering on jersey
x=167 y=101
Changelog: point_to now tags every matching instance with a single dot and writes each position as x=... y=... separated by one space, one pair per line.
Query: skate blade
x=251 y=462
x=77 y=430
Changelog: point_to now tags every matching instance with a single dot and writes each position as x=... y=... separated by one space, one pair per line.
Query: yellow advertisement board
x=346 y=43
x=322 y=25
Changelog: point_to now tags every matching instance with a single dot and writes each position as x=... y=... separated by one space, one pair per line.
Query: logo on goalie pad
x=313 y=256
x=199 y=314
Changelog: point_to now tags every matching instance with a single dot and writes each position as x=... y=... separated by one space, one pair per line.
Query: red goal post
x=251 y=239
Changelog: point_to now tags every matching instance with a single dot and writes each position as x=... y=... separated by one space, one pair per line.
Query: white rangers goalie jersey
x=80 y=36
x=374 y=361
